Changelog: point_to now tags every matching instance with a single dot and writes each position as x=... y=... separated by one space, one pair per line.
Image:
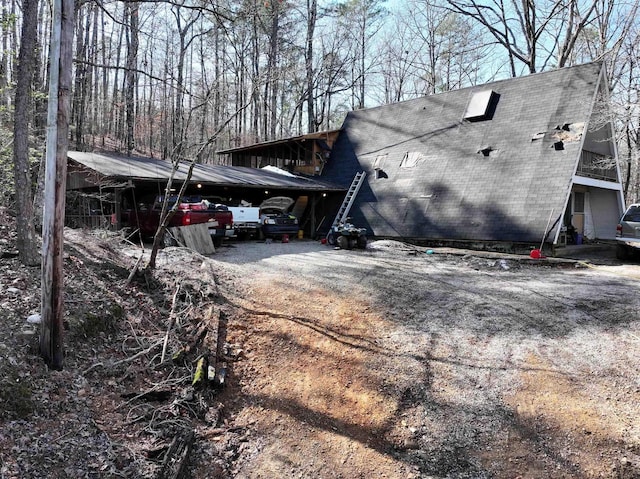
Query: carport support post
x=117 y=194
x=312 y=218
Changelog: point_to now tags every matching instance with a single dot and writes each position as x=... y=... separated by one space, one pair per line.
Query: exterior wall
x=605 y=212
x=302 y=155
x=79 y=178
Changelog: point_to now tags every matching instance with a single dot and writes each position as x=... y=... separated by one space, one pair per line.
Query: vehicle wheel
x=261 y=234
x=343 y=242
x=331 y=239
x=362 y=242
x=622 y=252
x=217 y=241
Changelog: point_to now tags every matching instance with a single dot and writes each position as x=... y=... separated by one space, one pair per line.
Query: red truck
x=190 y=211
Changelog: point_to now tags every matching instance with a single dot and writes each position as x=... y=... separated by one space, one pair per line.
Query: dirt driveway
x=395 y=363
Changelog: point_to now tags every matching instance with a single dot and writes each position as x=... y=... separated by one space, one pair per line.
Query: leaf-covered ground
x=386 y=362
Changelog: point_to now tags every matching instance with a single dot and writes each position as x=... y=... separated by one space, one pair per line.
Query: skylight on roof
x=481 y=106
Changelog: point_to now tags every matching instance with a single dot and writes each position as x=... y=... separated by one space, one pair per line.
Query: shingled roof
x=121 y=167
x=481 y=163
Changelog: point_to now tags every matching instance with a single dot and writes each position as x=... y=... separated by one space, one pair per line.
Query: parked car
x=628 y=233
x=275 y=217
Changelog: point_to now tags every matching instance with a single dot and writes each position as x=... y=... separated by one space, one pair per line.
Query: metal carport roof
x=120 y=167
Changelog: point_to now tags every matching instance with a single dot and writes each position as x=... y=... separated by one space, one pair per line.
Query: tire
x=362 y=242
x=343 y=242
x=217 y=241
x=331 y=239
x=622 y=252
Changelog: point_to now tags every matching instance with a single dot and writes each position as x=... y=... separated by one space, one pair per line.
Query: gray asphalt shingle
x=454 y=191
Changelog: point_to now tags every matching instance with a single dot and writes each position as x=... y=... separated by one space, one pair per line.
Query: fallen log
x=181 y=354
x=175 y=461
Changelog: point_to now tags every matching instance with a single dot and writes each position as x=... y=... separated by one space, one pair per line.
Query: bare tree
x=626 y=106
x=27 y=242
x=133 y=9
x=312 y=15
x=363 y=19
x=533 y=33
x=185 y=27
x=6 y=20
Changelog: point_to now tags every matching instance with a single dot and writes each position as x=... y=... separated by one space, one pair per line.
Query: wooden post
x=51 y=334
x=312 y=219
x=117 y=210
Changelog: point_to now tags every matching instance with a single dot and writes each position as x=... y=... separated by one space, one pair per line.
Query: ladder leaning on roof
x=349 y=198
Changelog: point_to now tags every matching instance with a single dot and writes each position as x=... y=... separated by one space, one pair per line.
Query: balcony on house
x=597 y=166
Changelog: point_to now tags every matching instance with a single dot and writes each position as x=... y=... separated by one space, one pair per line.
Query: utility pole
x=60 y=58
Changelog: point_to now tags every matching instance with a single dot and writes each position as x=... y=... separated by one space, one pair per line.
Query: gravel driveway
x=465 y=365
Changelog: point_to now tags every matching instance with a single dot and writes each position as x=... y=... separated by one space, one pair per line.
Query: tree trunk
x=27 y=243
x=5 y=100
x=312 y=13
x=131 y=76
x=51 y=334
x=79 y=99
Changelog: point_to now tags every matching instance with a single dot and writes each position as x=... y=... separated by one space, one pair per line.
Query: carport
x=102 y=185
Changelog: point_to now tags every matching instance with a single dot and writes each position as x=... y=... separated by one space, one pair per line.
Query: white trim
x=605 y=185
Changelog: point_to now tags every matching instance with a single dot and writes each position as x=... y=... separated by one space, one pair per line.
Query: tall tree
x=363 y=19
x=6 y=19
x=185 y=38
x=533 y=33
x=131 y=73
x=27 y=243
x=312 y=16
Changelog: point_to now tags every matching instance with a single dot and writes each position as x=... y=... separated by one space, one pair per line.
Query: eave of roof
x=320 y=135
x=114 y=166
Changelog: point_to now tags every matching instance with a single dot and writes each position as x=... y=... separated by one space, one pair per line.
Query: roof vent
x=485 y=150
x=481 y=106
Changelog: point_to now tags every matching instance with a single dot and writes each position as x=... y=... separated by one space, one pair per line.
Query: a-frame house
x=516 y=161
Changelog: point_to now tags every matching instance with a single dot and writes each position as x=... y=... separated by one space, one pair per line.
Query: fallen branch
x=177 y=455
x=172 y=316
x=134 y=271
x=152 y=395
x=125 y=360
x=192 y=345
